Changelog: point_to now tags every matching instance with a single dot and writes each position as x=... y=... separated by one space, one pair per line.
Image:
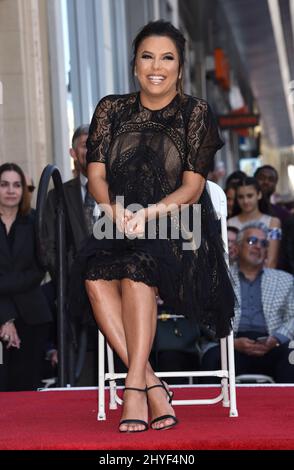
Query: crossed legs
x=125 y=312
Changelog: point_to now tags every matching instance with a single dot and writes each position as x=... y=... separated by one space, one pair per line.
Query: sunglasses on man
x=255 y=241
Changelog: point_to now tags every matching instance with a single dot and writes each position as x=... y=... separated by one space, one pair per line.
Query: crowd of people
x=123 y=279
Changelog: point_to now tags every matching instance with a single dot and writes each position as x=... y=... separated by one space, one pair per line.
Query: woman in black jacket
x=24 y=313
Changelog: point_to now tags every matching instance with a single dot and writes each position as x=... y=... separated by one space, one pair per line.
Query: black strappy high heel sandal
x=134 y=421
x=160 y=418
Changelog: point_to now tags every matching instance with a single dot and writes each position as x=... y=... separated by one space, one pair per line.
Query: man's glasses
x=255 y=240
x=31 y=188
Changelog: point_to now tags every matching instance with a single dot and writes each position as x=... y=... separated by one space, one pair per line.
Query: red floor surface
x=67 y=420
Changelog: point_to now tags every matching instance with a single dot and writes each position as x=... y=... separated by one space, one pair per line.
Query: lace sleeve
x=203 y=140
x=100 y=132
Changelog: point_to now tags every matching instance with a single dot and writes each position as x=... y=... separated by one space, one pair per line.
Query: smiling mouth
x=156 y=79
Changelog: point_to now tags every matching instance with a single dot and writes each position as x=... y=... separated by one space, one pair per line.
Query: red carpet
x=67 y=420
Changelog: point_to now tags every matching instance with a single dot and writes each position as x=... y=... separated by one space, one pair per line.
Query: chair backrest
x=218 y=198
x=219 y=201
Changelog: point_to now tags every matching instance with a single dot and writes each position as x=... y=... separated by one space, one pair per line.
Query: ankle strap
x=154 y=386
x=167 y=391
x=136 y=389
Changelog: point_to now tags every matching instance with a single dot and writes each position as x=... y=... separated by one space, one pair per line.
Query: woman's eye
x=146 y=56
x=168 y=57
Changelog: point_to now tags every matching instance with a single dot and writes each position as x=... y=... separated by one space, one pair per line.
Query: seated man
x=264 y=315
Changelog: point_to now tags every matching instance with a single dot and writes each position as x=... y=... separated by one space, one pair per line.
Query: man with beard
x=267 y=178
x=264 y=314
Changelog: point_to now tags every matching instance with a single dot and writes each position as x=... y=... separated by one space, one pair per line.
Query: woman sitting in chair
x=153 y=148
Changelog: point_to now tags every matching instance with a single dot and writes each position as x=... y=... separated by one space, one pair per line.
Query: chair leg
x=232 y=379
x=228 y=367
x=112 y=382
x=101 y=378
x=224 y=366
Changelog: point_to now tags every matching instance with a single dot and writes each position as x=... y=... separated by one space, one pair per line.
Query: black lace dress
x=146 y=153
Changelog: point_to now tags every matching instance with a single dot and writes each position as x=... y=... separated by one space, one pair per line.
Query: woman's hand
x=121 y=216
x=8 y=334
x=135 y=225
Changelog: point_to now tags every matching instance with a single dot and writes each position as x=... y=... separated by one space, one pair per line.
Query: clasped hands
x=132 y=224
x=252 y=347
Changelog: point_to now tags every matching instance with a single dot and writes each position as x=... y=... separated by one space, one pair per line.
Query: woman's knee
x=136 y=286
x=92 y=288
x=97 y=290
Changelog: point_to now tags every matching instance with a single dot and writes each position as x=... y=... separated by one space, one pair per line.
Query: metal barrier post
x=48 y=172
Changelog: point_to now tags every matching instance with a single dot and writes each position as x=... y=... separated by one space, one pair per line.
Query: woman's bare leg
x=139 y=316
x=106 y=300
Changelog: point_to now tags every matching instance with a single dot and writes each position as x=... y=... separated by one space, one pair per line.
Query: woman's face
x=157 y=67
x=10 y=189
x=248 y=197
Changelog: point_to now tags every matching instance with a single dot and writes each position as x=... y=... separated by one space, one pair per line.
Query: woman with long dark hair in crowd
x=249 y=198
x=24 y=314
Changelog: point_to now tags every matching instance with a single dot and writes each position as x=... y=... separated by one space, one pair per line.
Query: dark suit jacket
x=76 y=232
x=76 y=236
x=20 y=276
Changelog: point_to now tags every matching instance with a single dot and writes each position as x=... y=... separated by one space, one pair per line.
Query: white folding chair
x=227 y=393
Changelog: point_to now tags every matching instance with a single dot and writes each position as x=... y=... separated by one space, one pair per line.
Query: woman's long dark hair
x=24 y=205
x=162 y=28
